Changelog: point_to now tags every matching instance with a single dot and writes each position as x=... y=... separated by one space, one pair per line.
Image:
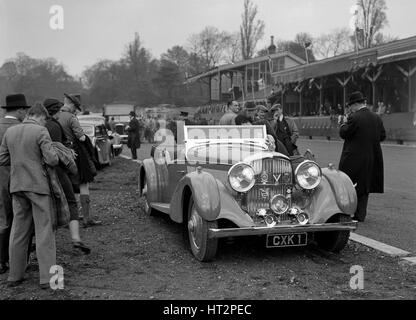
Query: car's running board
x=160 y=206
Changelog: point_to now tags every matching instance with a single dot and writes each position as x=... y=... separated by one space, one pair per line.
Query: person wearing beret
x=77 y=140
x=362 y=157
x=58 y=136
x=285 y=130
x=15 y=112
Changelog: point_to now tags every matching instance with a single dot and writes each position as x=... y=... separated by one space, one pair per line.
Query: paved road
x=391 y=216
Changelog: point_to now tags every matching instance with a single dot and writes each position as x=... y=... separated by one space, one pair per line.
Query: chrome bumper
x=289 y=229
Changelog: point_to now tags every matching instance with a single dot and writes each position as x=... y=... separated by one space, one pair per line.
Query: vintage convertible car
x=101 y=141
x=222 y=181
x=114 y=137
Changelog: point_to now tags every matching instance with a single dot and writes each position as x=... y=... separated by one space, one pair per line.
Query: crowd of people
x=46 y=165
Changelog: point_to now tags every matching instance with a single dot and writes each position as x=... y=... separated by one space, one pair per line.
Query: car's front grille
x=273 y=176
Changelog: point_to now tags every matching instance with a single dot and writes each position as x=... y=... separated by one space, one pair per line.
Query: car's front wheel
x=334 y=241
x=203 y=248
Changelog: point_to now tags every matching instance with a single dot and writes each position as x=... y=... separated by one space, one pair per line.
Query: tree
x=179 y=56
x=143 y=69
x=209 y=45
x=331 y=44
x=168 y=78
x=251 y=30
x=233 y=48
x=296 y=49
x=371 y=19
x=381 y=38
x=37 y=78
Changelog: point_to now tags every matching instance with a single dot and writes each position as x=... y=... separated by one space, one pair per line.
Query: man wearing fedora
x=362 y=157
x=15 y=112
x=133 y=141
x=75 y=136
x=26 y=147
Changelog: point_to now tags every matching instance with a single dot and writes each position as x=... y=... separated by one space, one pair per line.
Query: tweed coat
x=25 y=147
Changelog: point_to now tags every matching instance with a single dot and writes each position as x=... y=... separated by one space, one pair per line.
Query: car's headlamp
x=308 y=175
x=241 y=177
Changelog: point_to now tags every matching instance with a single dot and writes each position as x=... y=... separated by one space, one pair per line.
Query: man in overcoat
x=15 y=111
x=134 y=135
x=362 y=157
x=26 y=147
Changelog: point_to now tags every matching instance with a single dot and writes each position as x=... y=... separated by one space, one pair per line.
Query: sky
x=100 y=29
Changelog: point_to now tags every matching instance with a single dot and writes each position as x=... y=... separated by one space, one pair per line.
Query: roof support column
x=219 y=86
x=344 y=84
x=408 y=73
x=373 y=80
x=299 y=88
x=320 y=87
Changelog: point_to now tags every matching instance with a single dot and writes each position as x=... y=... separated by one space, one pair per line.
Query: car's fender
x=157 y=178
x=344 y=190
x=204 y=189
x=335 y=194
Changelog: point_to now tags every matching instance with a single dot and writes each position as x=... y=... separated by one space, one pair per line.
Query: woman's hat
x=15 y=101
x=355 y=97
x=74 y=99
x=262 y=108
x=275 y=107
x=52 y=105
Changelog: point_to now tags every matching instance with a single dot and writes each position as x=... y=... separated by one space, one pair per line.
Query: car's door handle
x=182 y=171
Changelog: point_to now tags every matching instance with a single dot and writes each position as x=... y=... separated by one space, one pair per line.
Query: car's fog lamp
x=270 y=221
x=279 y=204
x=302 y=218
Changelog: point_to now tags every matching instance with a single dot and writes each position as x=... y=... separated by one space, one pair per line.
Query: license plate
x=286 y=240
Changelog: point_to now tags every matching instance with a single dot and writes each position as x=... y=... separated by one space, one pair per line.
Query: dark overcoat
x=362 y=157
x=133 y=141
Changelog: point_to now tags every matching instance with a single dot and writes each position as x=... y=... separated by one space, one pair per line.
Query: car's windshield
x=226 y=153
x=225 y=133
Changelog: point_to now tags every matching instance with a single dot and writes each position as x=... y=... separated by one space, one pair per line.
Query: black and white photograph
x=207 y=155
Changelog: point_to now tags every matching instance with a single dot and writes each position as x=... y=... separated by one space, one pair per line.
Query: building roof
x=390 y=52
x=241 y=64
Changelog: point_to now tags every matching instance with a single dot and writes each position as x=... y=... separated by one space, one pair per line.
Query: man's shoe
x=13 y=284
x=81 y=246
x=92 y=223
x=3 y=268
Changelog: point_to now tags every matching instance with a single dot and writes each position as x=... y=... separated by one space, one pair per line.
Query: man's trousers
x=32 y=208
x=6 y=214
